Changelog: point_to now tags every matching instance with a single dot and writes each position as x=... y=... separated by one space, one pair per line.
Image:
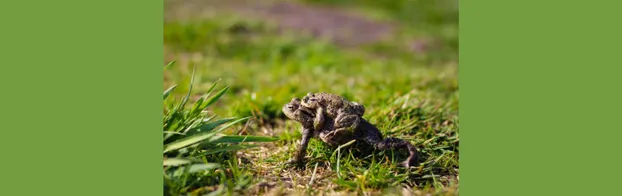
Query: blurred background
x=268 y=51
x=399 y=58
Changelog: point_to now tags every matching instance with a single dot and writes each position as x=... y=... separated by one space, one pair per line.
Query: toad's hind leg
x=395 y=144
x=349 y=122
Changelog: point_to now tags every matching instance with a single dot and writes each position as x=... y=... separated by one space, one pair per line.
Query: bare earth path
x=343 y=27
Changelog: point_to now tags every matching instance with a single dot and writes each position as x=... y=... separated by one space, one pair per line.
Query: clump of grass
x=197 y=156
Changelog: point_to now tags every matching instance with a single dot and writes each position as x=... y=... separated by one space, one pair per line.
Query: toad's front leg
x=307 y=134
x=318 y=122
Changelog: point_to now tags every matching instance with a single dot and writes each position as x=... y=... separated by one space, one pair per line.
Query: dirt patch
x=340 y=26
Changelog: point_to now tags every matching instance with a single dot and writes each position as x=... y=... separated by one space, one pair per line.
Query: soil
x=338 y=25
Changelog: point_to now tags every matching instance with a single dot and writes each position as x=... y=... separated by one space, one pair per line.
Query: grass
x=409 y=96
x=194 y=145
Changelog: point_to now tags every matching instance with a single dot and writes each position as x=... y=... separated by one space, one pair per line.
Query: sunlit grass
x=409 y=96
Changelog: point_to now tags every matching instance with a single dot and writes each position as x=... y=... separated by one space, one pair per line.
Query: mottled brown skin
x=347 y=115
x=365 y=132
x=326 y=132
x=306 y=118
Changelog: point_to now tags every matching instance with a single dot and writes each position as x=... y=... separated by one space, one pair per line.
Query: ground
x=398 y=58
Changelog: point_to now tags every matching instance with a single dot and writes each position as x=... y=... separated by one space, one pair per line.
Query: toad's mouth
x=291 y=107
x=307 y=112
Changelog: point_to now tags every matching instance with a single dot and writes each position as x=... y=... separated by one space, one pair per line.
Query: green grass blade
x=194 y=168
x=242 y=138
x=187 y=97
x=203 y=166
x=342 y=146
x=211 y=88
x=169 y=90
x=173 y=132
x=169 y=64
x=213 y=99
x=230 y=124
x=187 y=142
x=175 y=162
x=349 y=184
x=226 y=149
x=181 y=143
x=209 y=126
x=197 y=106
x=209 y=118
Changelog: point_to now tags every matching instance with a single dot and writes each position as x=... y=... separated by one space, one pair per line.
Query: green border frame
x=540 y=97
x=81 y=97
x=539 y=106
